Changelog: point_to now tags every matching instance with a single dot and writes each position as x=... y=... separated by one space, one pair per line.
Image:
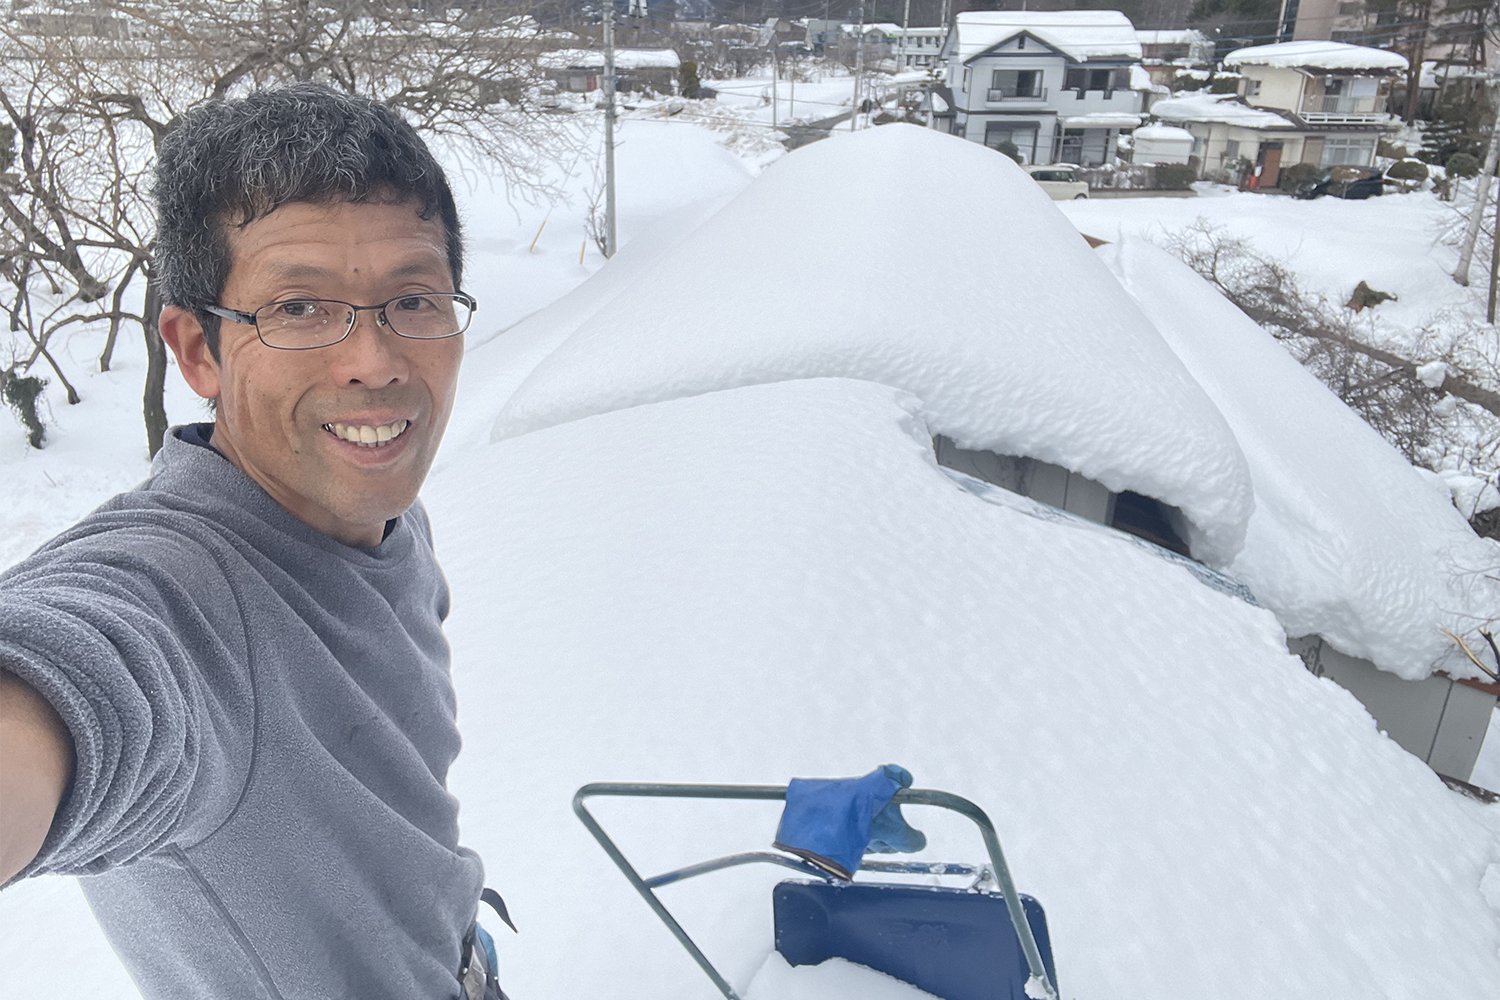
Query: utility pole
x=609 y=128
x=1489 y=313
x=791 y=109
x=775 y=98
x=1481 y=196
x=859 y=66
x=905 y=26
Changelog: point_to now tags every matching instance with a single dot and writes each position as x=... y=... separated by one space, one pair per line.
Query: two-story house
x=1058 y=85
x=1314 y=102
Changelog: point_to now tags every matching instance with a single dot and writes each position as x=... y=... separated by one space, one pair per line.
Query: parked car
x=1353 y=183
x=1060 y=181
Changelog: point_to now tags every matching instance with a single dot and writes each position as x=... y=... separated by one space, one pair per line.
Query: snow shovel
x=983 y=941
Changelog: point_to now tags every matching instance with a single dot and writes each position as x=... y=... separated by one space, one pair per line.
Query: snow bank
x=1347 y=541
x=834 y=979
x=1079 y=34
x=1014 y=336
x=1316 y=55
x=775 y=580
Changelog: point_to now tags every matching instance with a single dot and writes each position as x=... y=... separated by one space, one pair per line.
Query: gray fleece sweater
x=263 y=722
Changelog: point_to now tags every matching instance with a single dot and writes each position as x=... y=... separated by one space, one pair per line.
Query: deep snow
x=757 y=582
x=1006 y=356
x=1347 y=541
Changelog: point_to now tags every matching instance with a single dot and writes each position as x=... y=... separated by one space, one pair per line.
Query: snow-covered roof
x=1103 y=119
x=1186 y=37
x=1317 y=55
x=854 y=606
x=1080 y=35
x=1435 y=75
x=1225 y=108
x=1158 y=132
x=624 y=59
x=1019 y=363
x=1347 y=541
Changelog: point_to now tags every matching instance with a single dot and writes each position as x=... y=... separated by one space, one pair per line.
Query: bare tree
x=1433 y=393
x=90 y=97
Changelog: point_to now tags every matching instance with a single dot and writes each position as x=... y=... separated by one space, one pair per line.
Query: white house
x=1056 y=84
x=917 y=48
x=1322 y=103
x=1166 y=53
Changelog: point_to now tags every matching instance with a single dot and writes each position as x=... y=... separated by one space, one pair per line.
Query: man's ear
x=183 y=333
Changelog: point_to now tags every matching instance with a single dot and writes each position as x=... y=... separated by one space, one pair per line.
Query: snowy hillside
x=696 y=532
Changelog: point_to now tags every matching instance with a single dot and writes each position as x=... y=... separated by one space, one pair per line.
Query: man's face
x=280 y=412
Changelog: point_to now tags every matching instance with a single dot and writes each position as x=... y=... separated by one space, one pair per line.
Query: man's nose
x=371 y=355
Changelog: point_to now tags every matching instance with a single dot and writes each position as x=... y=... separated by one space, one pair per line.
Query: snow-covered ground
x=687 y=546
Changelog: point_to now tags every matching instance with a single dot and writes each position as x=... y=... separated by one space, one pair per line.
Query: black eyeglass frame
x=381 y=319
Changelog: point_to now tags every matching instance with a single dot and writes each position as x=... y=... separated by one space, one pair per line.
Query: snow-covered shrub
x=1461 y=166
x=1408 y=170
x=1175 y=176
x=20 y=393
x=1299 y=175
x=1388 y=150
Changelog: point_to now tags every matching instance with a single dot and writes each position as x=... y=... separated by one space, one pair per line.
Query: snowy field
x=690 y=513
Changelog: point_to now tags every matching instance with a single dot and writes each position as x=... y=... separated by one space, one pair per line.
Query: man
x=225 y=696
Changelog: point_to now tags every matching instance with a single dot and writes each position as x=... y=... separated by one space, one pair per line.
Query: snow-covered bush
x=1410 y=172
x=1462 y=166
x=1175 y=176
x=1299 y=175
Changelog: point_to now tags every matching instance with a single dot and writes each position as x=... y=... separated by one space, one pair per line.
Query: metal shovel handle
x=906 y=796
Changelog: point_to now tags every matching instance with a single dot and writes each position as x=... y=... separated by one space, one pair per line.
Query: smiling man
x=224 y=696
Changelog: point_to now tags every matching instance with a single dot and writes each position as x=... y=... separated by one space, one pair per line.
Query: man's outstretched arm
x=36 y=760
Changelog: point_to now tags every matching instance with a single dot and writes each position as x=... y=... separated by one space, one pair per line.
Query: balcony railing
x=1342 y=108
x=996 y=95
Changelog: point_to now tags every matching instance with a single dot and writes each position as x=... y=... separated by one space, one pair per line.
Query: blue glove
x=834 y=822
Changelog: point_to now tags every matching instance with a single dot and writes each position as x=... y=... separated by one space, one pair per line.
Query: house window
x=1342 y=150
x=1252 y=88
x=1021 y=42
x=1071 y=148
x=1022 y=135
x=1076 y=79
x=1231 y=150
x=1008 y=83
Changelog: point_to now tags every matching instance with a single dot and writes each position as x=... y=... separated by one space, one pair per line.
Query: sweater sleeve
x=134 y=636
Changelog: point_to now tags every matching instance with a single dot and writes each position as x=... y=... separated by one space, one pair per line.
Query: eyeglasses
x=303 y=324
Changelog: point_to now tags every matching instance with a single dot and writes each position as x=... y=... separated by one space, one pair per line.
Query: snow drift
x=1347 y=541
x=919 y=261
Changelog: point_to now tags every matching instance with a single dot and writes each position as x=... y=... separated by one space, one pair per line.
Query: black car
x=1339 y=185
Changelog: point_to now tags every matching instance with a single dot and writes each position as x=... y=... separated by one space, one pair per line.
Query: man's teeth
x=366 y=436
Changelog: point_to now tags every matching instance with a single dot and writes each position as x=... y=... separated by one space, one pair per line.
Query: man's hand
x=36 y=760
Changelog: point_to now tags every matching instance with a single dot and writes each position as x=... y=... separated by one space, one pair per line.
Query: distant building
x=1058 y=85
x=581 y=70
x=1164 y=54
x=1322 y=103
